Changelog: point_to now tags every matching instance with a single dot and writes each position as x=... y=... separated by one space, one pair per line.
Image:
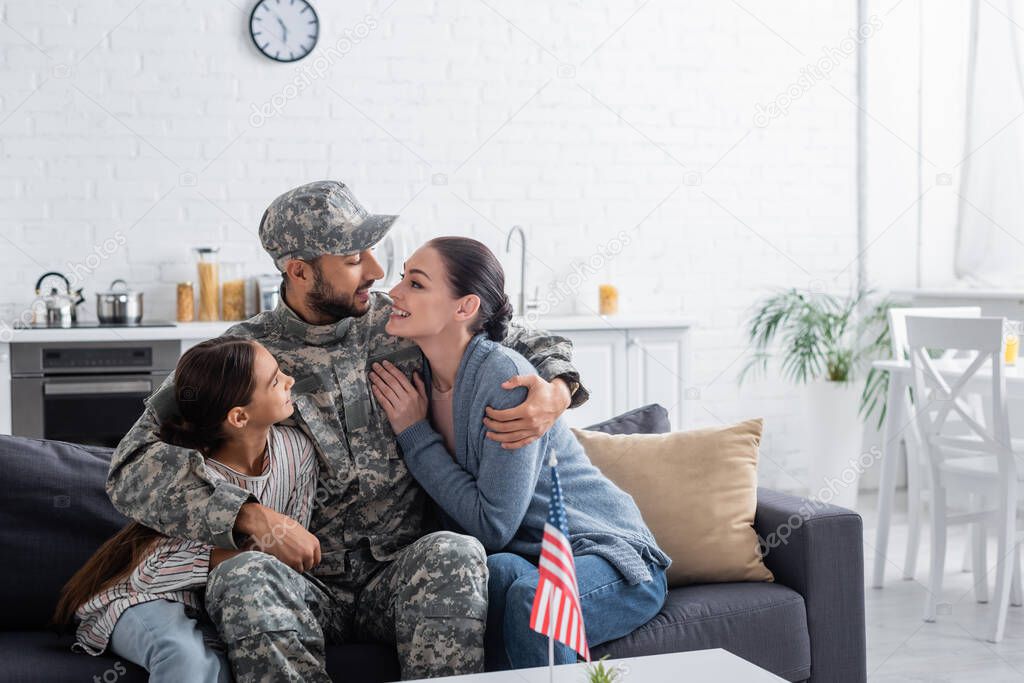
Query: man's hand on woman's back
x=522 y=425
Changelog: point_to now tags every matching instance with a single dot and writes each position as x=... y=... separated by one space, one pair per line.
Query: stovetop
x=95 y=324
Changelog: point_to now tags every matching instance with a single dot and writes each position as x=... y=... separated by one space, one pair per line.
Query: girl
x=139 y=592
x=451 y=302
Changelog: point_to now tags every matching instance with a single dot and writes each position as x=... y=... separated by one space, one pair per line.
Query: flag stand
x=558 y=582
x=551 y=648
x=552 y=461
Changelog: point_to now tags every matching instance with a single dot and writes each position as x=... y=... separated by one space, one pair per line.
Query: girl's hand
x=218 y=555
x=404 y=404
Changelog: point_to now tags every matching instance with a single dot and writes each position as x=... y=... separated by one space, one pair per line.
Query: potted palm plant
x=824 y=342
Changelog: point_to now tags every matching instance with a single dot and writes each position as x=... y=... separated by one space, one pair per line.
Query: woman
x=451 y=302
x=140 y=592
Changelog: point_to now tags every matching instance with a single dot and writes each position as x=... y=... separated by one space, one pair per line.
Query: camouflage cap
x=319 y=218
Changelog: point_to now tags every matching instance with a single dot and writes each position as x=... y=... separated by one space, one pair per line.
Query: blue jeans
x=611 y=608
x=163 y=640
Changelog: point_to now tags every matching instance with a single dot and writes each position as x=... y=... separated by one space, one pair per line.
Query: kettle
x=61 y=307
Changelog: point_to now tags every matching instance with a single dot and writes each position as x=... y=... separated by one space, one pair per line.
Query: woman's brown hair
x=210 y=379
x=474 y=269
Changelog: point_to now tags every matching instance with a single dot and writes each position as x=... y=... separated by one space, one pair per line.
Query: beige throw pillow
x=697 y=491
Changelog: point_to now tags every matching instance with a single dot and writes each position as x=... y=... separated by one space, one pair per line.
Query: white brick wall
x=104 y=106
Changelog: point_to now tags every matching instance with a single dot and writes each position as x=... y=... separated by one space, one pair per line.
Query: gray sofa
x=809 y=624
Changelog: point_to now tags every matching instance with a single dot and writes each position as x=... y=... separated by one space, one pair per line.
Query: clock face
x=284 y=30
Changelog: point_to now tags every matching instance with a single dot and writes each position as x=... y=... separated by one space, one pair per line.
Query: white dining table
x=899 y=423
x=697 y=666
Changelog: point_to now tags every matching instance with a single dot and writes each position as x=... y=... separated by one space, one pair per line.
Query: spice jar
x=232 y=288
x=186 y=302
x=208 y=267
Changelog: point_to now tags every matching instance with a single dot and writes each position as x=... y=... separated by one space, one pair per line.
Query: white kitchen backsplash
x=578 y=121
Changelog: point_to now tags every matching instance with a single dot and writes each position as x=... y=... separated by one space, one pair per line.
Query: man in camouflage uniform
x=380 y=571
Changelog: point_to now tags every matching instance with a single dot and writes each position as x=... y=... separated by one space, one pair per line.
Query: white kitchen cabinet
x=600 y=356
x=625 y=368
x=625 y=361
x=657 y=370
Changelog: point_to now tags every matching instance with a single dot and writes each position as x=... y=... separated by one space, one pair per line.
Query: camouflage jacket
x=366 y=497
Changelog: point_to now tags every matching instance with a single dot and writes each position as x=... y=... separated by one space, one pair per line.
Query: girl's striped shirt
x=176 y=569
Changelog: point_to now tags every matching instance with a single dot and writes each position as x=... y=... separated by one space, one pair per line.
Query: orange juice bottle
x=1011 y=335
x=608 y=303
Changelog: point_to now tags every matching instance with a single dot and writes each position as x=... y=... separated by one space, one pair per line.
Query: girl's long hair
x=211 y=378
x=111 y=562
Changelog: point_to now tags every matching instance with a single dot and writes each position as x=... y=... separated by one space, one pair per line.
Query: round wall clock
x=284 y=30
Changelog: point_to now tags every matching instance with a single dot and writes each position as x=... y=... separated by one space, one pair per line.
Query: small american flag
x=556 y=606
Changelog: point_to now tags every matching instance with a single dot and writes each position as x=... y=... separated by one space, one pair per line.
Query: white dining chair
x=916 y=477
x=981 y=462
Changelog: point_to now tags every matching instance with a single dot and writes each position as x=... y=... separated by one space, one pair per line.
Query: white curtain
x=990 y=216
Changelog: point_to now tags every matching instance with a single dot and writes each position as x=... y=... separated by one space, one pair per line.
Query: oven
x=85 y=392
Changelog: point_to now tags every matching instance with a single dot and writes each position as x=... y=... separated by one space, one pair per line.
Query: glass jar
x=1011 y=337
x=232 y=290
x=608 y=299
x=208 y=268
x=186 y=302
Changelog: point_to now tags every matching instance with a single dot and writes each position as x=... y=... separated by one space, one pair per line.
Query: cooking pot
x=119 y=307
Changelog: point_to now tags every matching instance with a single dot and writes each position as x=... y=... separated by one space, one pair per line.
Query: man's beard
x=325 y=302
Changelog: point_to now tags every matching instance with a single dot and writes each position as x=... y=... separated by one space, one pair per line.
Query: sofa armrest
x=817 y=550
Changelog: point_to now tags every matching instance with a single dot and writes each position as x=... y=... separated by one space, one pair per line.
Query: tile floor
x=902 y=647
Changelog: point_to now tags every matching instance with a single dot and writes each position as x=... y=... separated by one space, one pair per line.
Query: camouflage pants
x=430 y=601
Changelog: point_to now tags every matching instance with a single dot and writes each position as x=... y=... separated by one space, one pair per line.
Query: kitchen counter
x=607 y=322
x=627 y=360
x=184 y=331
x=1008 y=303
x=198 y=331
x=956 y=293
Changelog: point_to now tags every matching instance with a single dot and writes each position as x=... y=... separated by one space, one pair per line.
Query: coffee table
x=698 y=666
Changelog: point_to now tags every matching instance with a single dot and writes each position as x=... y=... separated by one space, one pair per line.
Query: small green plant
x=822 y=337
x=599 y=673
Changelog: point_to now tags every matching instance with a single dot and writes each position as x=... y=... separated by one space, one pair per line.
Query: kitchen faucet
x=522 y=308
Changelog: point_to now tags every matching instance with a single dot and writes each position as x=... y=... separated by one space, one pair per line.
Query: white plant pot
x=833 y=438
